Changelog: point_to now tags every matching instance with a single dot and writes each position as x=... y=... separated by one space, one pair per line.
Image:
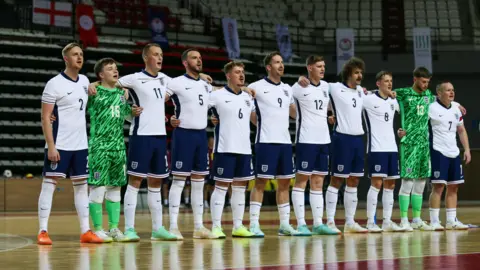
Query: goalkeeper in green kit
x=415 y=146
x=106 y=156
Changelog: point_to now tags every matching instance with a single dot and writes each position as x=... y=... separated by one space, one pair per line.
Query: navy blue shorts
x=228 y=167
x=384 y=165
x=189 y=152
x=147 y=156
x=72 y=163
x=312 y=158
x=446 y=170
x=274 y=160
x=348 y=156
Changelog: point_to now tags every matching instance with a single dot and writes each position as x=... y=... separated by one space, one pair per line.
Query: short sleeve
x=127 y=81
x=173 y=87
x=49 y=95
x=460 y=117
x=296 y=90
x=212 y=100
x=253 y=105
x=396 y=105
x=401 y=92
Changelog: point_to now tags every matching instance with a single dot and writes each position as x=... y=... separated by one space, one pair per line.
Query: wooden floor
x=417 y=250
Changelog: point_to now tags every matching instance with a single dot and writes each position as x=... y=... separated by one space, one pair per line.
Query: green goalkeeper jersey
x=108 y=109
x=414 y=114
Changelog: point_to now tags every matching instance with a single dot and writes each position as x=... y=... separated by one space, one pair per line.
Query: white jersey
x=70 y=98
x=347 y=104
x=444 y=122
x=312 y=103
x=191 y=98
x=148 y=92
x=232 y=135
x=272 y=102
x=379 y=113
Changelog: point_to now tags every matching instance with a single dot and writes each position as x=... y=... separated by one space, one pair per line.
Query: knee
x=389 y=184
x=336 y=182
x=260 y=184
x=376 y=183
x=222 y=184
x=352 y=181
x=134 y=181
x=154 y=182
x=97 y=194
x=283 y=185
x=316 y=182
x=113 y=194
x=419 y=186
x=452 y=189
x=406 y=187
x=438 y=189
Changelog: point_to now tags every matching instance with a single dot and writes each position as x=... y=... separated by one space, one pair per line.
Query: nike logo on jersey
x=69 y=93
x=305 y=95
x=145 y=81
x=266 y=92
x=376 y=107
x=227 y=101
x=187 y=88
x=440 y=115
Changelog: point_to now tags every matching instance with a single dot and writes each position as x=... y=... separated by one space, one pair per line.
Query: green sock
x=404 y=201
x=97 y=215
x=113 y=209
x=417 y=201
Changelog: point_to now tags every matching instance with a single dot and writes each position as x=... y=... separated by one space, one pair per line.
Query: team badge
x=378 y=168
x=247 y=102
x=122 y=99
x=206 y=88
x=264 y=168
x=304 y=164
x=325 y=94
x=162 y=82
x=134 y=165
x=340 y=168
x=178 y=164
x=426 y=99
x=436 y=174
x=285 y=92
x=392 y=107
x=53 y=165
x=96 y=175
x=409 y=170
x=359 y=94
x=86 y=89
x=219 y=171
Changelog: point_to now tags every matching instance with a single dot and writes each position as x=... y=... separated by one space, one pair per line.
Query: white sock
x=387 y=202
x=298 y=200
x=255 y=212
x=451 y=215
x=284 y=212
x=217 y=202
x=80 y=195
x=372 y=199
x=155 y=205
x=174 y=197
x=165 y=201
x=331 y=199
x=238 y=205
x=350 y=201
x=316 y=202
x=434 y=215
x=129 y=206
x=45 y=202
x=196 y=195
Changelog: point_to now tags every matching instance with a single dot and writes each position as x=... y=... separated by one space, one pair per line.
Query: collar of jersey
x=231 y=91
x=270 y=81
x=68 y=78
x=378 y=95
x=443 y=105
x=344 y=84
x=148 y=74
x=190 y=77
x=316 y=85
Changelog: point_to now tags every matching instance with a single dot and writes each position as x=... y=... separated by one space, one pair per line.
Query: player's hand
x=52 y=119
x=136 y=111
x=174 y=121
x=206 y=77
x=303 y=81
x=467 y=157
x=125 y=93
x=53 y=155
x=365 y=91
x=401 y=133
x=393 y=94
x=331 y=119
x=214 y=120
x=249 y=91
x=92 y=88
x=462 y=110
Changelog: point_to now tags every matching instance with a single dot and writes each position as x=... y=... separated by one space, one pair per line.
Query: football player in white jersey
x=232 y=157
x=65 y=96
x=191 y=97
x=446 y=121
x=312 y=145
x=273 y=149
x=383 y=165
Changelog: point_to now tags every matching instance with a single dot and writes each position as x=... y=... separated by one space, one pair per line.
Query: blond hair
x=69 y=47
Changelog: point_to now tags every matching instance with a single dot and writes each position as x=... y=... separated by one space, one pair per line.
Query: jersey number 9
x=280 y=102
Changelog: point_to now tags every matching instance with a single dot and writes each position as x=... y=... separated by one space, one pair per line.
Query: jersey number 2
x=81 y=104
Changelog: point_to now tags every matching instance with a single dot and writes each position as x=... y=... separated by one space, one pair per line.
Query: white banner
x=52 y=13
x=230 y=34
x=422 y=48
x=345 y=46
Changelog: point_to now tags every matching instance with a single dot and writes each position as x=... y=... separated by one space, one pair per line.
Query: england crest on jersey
x=359 y=94
x=378 y=168
x=96 y=175
x=122 y=99
x=325 y=94
x=219 y=171
x=264 y=168
x=426 y=99
x=134 y=165
x=53 y=166
x=285 y=92
x=436 y=174
x=304 y=164
x=206 y=88
x=392 y=107
x=162 y=82
x=247 y=102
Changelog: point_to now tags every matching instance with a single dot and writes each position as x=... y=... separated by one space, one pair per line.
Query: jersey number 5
x=200 y=99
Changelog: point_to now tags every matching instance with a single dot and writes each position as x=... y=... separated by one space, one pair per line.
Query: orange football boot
x=90 y=237
x=43 y=238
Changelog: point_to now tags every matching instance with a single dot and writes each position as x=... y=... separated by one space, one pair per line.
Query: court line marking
x=29 y=242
